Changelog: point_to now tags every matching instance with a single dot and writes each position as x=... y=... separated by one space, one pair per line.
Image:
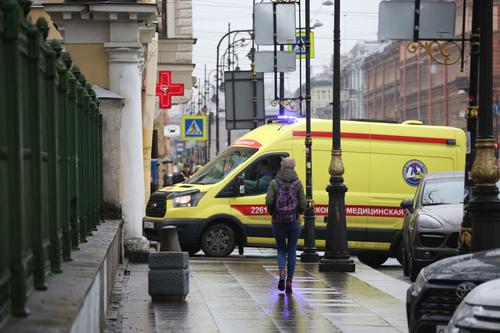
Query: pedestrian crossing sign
x=194 y=128
x=299 y=47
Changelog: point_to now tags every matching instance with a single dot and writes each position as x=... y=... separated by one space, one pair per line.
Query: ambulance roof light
x=412 y=122
x=287 y=119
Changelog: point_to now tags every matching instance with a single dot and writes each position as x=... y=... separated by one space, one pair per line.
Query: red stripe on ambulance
x=383 y=137
x=322 y=210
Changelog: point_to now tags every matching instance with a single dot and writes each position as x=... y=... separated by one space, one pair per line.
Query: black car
x=432 y=221
x=441 y=286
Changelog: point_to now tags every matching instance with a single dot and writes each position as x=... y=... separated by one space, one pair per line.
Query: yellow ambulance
x=223 y=205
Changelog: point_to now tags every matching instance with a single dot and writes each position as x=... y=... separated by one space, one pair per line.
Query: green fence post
x=86 y=153
x=100 y=172
x=14 y=57
x=80 y=155
x=92 y=156
x=37 y=141
x=4 y=195
x=72 y=135
x=53 y=136
x=63 y=150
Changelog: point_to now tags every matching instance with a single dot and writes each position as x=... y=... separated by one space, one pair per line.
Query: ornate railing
x=50 y=157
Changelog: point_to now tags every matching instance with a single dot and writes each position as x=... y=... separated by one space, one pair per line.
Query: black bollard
x=169 y=240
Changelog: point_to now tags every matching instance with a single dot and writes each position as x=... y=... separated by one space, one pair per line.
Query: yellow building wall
x=37 y=12
x=93 y=62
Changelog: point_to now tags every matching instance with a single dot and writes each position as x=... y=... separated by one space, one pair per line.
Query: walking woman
x=285 y=200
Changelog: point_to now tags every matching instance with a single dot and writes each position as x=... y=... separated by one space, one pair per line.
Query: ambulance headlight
x=188 y=200
x=427 y=222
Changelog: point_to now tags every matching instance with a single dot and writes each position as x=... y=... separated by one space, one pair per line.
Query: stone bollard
x=168 y=278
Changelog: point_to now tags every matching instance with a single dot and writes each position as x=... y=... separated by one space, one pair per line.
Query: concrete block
x=165 y=283
x=168 y=260
x=138 y=256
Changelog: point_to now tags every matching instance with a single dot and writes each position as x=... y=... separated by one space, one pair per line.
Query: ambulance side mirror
x=407 y=204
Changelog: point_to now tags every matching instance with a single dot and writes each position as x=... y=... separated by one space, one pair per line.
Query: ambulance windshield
x=217 y=169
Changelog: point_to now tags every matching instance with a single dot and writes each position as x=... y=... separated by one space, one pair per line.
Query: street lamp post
x=217 y=130
x=310 y=254
x=336 y=257
x=484 y=205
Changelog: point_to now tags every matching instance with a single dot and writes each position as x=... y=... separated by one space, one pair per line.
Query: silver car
x=432 y=221
x=479 y=311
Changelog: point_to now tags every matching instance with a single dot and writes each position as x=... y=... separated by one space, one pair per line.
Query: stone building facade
x=400 y=85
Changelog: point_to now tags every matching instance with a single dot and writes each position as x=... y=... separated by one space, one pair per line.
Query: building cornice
x=166 y=40
x=103 y=11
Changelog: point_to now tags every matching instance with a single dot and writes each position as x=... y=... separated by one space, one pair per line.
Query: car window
x=443 y=191
x=217 y=169
x=257 y=176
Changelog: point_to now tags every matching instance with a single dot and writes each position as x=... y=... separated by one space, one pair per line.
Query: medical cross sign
x=165 y=89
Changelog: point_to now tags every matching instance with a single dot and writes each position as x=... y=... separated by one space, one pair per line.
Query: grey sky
x=210 y=19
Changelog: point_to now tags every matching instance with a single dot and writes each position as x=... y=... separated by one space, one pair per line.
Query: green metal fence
x=50 y=157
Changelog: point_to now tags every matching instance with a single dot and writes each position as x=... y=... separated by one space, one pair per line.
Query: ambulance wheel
x=193 y=250
x=399 y=253
x=405 y=263
x=413 y=269
x=218 y=240
x=372 y=259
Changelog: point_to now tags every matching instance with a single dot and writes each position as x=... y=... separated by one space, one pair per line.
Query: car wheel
x=413 y=269
x=218 y=240
x=372 y=259
x=405 y=262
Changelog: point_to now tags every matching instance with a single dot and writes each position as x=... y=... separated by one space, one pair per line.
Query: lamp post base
x=345 y=265
x=309 y=256
x=484 y=208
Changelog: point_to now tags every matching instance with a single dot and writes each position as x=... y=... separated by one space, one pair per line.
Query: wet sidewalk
x=239 y=294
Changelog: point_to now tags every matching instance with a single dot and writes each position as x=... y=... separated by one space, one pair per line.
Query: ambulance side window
x=258 y=175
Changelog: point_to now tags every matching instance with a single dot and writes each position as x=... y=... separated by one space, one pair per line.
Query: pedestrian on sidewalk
x=183 y=175
x=285 y=200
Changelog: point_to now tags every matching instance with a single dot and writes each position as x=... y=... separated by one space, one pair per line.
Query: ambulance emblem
x=413 y=171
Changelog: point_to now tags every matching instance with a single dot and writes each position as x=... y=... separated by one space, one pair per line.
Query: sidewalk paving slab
x=239 y=294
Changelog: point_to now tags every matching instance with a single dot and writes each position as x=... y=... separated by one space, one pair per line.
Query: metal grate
x=431 y=240
x=157 y=205
x=439 y=302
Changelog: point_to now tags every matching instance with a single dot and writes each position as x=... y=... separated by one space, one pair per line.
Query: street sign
x=165 y=89
x=264 y=23
x=194 y=128
x=397 y=20
x=172 y=131
x=299 y=47
x=285 y=62
x=244 y=101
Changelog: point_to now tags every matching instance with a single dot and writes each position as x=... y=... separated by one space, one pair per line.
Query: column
x=125 y=80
